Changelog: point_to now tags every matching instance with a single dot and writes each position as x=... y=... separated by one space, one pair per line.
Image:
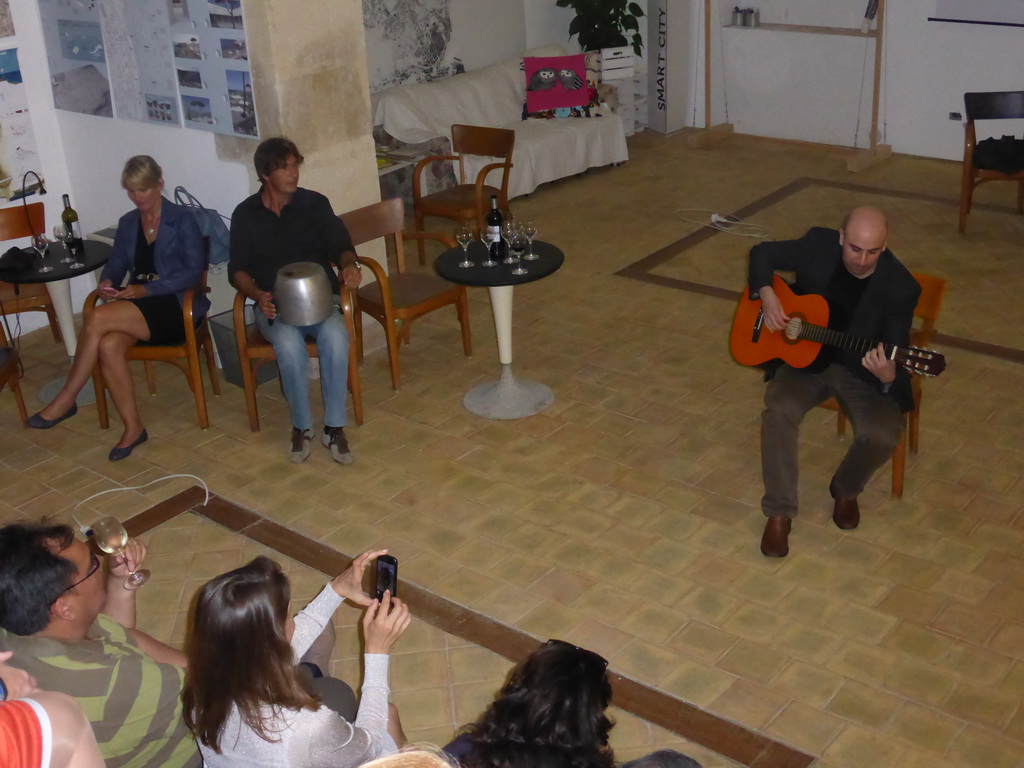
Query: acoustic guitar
x=798 y=344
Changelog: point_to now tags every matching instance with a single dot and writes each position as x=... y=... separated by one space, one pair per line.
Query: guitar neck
x=833 y=338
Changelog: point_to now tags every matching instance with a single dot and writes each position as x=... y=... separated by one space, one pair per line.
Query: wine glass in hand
x=41 y=246
x=464 y=236
x=530 y=230
x=112 y=538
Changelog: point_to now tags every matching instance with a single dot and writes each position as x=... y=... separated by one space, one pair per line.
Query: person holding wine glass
x=159 y=248
x=70 y=623
x=244 y=698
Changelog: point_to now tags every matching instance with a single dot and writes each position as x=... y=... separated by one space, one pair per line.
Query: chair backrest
x=384 y=219
x=929 y=304
x=480 y=140
x=994 y=105
x=22 y=221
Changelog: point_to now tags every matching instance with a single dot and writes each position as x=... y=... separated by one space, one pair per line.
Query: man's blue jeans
x=289 y=342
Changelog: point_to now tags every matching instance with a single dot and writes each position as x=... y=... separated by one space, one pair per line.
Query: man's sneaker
x=299 y=450
x=334 y=438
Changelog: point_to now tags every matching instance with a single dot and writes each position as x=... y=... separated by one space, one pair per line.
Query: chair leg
x=394 y=344
x=418 y=216
x=462 y=311
x=195 y=378
x=18 y=398
x=150 y=377
x=966 y=193
x=899 y=466
x=840 y=423
x=357 y=324
x=355 y=386
x=101 y=397
x=211 y=363
x=249 y=387
x=51 y=314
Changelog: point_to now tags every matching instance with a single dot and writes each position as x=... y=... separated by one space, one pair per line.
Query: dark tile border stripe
x=724 y=737
x=642 y=270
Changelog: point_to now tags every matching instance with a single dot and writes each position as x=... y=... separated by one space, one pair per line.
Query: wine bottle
x=494 y=221
x=69 y=217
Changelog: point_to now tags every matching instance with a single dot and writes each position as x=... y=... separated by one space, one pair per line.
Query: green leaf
x=636 y=10
x=628 y=22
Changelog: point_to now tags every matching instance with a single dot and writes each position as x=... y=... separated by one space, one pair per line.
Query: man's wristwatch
x=3 y=690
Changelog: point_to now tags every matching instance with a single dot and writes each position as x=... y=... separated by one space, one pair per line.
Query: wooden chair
x=929 y=304
x=468 y=201
x=16 y=222
x=994 y=105
x=185 y=356
x=9 y=365
x=397 y=299
x=254 y=351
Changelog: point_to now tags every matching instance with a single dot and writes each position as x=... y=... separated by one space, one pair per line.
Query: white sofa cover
x=545 y=150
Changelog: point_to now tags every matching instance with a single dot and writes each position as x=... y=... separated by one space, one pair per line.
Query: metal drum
x=302 y=294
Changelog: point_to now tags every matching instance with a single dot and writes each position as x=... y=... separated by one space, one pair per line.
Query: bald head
x=863 y=237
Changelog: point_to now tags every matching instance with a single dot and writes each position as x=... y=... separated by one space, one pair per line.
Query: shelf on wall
x=809 y=30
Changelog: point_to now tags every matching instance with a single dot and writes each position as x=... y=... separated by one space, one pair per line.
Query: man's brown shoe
x=846 y=511
x=775 y=539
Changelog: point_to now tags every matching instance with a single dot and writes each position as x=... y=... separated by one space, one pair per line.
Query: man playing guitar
x=870 y=294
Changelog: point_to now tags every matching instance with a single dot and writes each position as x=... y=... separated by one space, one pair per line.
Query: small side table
x=508 y=397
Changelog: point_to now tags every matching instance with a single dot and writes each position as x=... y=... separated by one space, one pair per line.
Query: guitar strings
x=725 y=223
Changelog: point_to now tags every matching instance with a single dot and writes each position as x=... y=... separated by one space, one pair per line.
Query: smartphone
x=387 y=576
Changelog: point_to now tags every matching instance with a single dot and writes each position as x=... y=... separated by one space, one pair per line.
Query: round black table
x=92 y=255
x=509 y=397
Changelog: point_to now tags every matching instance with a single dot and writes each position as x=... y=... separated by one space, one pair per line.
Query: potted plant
x=605 y=23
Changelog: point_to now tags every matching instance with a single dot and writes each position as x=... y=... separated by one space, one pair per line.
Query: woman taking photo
x=244 y=697
x=159 y=247
x=549 y=714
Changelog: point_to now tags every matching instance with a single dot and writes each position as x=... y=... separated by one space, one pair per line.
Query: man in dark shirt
x=279 y=225
x=870 y=295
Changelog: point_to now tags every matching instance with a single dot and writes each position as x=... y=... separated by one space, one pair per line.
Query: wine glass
x=508 y=229
x=61 y=234
x=530 y=230
x=41 y=245
x=464 y=236
x=518 y=245
x=112 y=538
x=489 y=261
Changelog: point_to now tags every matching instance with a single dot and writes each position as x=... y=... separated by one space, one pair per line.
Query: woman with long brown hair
x=245 y=699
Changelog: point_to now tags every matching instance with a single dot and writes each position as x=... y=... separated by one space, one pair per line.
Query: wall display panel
x=172 y=62
x=18 y=152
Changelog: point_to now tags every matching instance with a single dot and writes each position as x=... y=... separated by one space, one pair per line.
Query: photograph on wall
x=6 y=22
x=161 y=109
x=407 y=42
x=186 y=46
x=225 y=14
x=243 y=114
x=233 y=49
x=196 y=110
x=18 y=152
x=75 y=56
x=81 y=40
x=190 y=78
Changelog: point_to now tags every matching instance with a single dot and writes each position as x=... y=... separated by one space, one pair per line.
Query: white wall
x=927 y=68
x=931 y=65
x=547 y=24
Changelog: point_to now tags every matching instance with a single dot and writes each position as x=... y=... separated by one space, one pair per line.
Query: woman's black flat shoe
x=116 y=454
x=38 y=422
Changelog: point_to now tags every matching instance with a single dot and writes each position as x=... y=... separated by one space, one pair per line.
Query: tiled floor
x=625 y=517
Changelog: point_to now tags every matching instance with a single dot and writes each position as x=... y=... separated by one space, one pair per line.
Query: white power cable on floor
x=84 y=529
x=725 y=223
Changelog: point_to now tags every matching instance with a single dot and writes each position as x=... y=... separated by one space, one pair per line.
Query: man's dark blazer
x=885 y=312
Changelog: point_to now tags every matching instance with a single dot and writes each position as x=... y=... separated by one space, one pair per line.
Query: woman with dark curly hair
x=549 y=714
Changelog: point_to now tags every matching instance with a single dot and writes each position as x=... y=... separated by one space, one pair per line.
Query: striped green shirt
x=132 y=701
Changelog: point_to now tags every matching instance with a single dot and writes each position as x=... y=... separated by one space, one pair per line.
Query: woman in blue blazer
x=159 y=248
